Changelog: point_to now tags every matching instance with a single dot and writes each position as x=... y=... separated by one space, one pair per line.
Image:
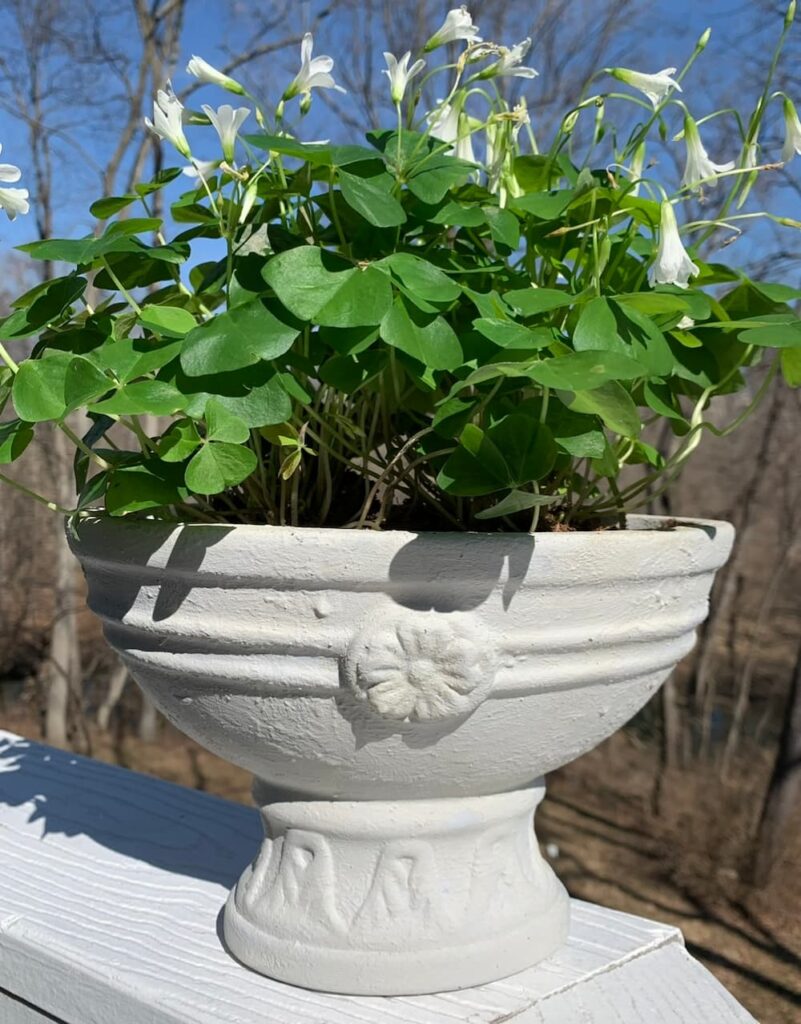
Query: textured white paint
x=14 y=1012
x=359 y=675
x=384 y=897
x=110 y=891
x=422 y=666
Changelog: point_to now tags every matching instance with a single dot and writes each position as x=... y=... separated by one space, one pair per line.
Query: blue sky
x=670 y=28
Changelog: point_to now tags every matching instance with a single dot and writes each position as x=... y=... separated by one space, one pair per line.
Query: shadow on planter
x=136 y=545
x=455 y=572
x=187 y=554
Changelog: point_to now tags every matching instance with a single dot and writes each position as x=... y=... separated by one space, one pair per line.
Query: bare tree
x=59 y=72
x=116 y=685
x=783 y=796
x=45 y=40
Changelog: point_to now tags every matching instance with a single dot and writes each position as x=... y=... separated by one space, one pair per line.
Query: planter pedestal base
x=397 y=897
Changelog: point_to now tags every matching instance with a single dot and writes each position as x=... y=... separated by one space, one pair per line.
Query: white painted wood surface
x=13 y=1011
x=111 y=885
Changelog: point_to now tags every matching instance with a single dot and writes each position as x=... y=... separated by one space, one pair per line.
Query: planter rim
x=652 y=546
x=636 y=525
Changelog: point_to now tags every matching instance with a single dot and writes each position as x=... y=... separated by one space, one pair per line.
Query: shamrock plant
x=450 y=324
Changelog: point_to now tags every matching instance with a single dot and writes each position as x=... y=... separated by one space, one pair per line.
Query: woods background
x=691 y=814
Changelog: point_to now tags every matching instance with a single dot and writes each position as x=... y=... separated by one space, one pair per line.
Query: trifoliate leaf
x=167 y=321
x=218 y=466
x=431 y=341
x=223 y=425
x=240 y=337
x=38 y=391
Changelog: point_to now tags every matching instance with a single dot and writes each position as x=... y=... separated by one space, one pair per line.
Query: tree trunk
x=148 y=721
x=116 y=686
x=745 y=683
x=61 y=674
x=780 y=810
x=726 y=590
x=671 y=742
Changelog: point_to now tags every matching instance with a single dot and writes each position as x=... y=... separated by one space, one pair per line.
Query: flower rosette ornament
x=425 y=666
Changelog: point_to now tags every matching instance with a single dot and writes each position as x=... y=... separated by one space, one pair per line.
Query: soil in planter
x=419 y=516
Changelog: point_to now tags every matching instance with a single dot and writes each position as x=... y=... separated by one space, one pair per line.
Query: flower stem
x=87 y=451
x=52 y=505
x=335 y=214
x=121 y=287
x=8 y=360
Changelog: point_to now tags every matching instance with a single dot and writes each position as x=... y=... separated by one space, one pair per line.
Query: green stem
x=93 y=456
x=362 y=520
x=14 y=367
x=52 y=505
x=535 y=519
x=691 y=441
x=214 y=208
x=753 y=127
x=134 y=425
x=335 y=214
x=121 y=287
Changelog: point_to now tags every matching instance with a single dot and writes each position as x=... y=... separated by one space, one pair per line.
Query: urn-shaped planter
x=398 y=698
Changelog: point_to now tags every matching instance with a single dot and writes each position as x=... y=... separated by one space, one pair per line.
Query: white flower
x=495 y=158
x=226 y=122
x=792 y=132
x=509 y=64
x=464 y=143
x=656 y=87
x=8 y=172
x=201 y=169
x=248 y=200
x=315 y=72
x=168 y=120
x=457 y=25
x=480 y=51
x=520 y=111
x=672 y=264
x=204 y=72
x=400 y=74
x=699 y=167
x=449 y=124
x=501 y=139
x=750 y=153
x=685 y=324
x=12 y=200
x=634 y=172
x=493 y=154
x=443 y=123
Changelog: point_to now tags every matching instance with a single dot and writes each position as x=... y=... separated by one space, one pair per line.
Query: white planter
x=398 y=698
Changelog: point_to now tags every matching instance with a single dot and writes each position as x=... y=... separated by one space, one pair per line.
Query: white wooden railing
x=111 y=885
